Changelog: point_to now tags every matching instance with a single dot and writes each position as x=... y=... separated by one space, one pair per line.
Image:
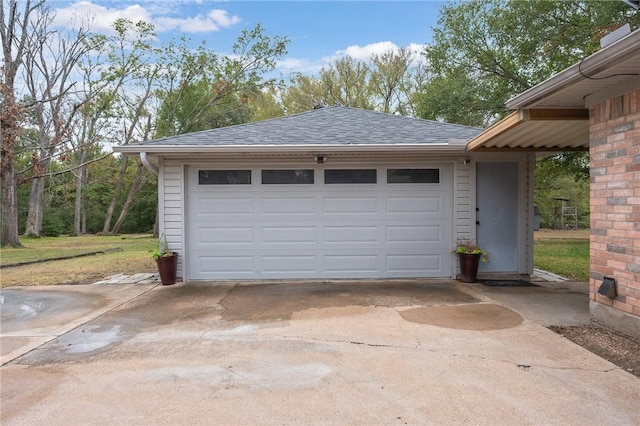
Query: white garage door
x=272 y=223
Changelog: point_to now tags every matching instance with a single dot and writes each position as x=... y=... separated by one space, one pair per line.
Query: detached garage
x=335 y=192
x=318 y=222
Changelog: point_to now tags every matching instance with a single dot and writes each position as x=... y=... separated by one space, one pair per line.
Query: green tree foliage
x=486 y=51
x=562 y=176
x=264 y=105
x=206 y=91
x=384 y=83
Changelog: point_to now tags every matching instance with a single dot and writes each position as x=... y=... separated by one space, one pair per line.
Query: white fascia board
x=285 y=149
x=597 y=62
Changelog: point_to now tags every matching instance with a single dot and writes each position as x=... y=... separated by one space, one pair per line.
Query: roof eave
x=286 y=149
x=492 y=139
x=591 y=65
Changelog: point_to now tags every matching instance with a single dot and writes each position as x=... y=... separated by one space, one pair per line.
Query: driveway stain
x=478 y=316
x=21 y=308
x=91 y=340
x=264 y=375
x=273 y=302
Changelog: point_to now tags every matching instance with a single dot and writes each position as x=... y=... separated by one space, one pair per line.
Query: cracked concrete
x=402 y=352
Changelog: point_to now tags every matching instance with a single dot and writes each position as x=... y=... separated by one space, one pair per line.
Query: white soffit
x=536 y=131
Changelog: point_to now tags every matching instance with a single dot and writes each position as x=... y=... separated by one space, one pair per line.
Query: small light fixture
x=319 y=159
x=467 y=161
x=608 y=288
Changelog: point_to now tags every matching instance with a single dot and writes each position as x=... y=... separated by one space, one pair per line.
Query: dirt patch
x=562 y=234
x=615 y=348
x=479 y=316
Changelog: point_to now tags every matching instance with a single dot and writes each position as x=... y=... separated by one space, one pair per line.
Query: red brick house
x=593 y=104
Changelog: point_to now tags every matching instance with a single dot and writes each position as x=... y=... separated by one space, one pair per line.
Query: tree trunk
x=9 y=130
x=135 y=187
x=85 y=201
x=33 y=226
x=9 y=236
x=77 y=213
x=116 y=194
x=156 y=225
x=35 y=215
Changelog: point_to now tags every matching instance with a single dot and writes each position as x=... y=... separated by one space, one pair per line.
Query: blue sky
x=320 y=31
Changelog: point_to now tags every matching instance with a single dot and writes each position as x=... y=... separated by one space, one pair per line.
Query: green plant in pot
x=470 y=256
x=166 y=260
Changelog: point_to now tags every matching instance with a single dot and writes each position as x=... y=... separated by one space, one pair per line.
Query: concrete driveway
x=400 y=352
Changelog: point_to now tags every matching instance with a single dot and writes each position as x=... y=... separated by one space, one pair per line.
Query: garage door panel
x=227 y=265
x=288 y=205
x=415 y=234
x=408 y=205
x=320 y=231
x=350 y=234
x=350 y=205
x=290 y=265
x=225 y=235
x=289 y=235
x=224 y=206
x=408 y=263
x=351 y=263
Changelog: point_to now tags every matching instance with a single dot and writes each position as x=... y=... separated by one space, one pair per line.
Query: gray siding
x=171 y=206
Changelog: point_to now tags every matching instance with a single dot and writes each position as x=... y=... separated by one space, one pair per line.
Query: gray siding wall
x=171 y=201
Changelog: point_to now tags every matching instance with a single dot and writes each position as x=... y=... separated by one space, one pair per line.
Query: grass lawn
x=565 y=253
x=133 y=257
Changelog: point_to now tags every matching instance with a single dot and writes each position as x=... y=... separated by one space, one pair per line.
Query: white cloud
x=102 y=18
x=364 y=53
x=213 y=21
x=304 y=66
x=222 y=18
x=361 y=53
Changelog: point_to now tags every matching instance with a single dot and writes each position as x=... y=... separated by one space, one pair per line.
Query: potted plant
x=470 y=256
x=167 y=261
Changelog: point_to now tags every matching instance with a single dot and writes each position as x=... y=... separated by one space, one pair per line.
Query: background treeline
x=67 y=96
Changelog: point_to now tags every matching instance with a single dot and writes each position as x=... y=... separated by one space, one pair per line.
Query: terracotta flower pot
x=469 y=267
x=168 y=267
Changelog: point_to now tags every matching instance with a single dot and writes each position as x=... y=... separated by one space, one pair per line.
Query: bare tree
x=14 y=31
x=392 y=80
x=133 y=76
x=49 y=67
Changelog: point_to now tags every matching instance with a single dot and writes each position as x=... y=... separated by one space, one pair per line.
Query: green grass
x=566 y=257
x=133 y=257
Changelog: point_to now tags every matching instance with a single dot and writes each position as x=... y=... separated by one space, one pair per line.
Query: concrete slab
x=551 y=303
x=32 y=316
x=310 y=353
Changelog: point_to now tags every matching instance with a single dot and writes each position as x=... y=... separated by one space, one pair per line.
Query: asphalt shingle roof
x=336 y=125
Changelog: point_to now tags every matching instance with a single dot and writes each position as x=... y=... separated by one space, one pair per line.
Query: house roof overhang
x=454 y=147
x=537 y=131
x=553 y=116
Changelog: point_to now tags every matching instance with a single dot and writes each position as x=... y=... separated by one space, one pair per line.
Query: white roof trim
x=287 y=149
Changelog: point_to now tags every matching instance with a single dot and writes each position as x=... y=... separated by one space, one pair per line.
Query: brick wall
x=615 y=200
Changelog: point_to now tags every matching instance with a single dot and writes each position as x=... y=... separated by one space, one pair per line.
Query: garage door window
x=224 y=177
x=287 y=177
x=336 y=176
x=413 y=175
